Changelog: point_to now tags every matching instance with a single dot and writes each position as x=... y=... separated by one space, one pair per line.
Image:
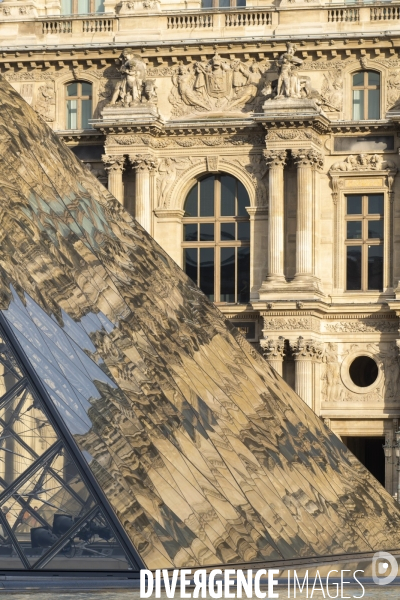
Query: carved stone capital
x=308 y=158
x=143 y=162
x=309 y=349
x=275 y=158
x=113 y=163
x=273 y=349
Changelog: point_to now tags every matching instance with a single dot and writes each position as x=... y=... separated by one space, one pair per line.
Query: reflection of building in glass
x=137 y=426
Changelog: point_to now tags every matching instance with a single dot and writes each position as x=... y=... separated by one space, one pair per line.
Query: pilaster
x=143 y=165
x=114 y=166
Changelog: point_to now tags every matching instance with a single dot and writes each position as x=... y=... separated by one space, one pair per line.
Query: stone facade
x=263 y=93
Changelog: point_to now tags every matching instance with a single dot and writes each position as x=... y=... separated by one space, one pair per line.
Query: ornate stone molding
x=142 y=162
x=273 y=349
x=113 y=163
x=291 y=135
x=275 y=158
x=309 y=349
x=362 y=326
x=363 y=162
x=277 y=323
x=186 y=141
x=308 y=158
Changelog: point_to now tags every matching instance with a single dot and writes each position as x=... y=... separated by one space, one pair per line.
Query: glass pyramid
x=137 y=427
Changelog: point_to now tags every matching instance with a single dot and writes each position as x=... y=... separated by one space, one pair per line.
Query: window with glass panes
x=364 y=242
x=222 y=3
x=81 y=7
x=79 y=105
x=366 y=95
x=216 y=238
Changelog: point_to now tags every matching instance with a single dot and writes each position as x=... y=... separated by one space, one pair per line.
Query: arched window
x=216 y=238
x=366 y=95
x=79 y=105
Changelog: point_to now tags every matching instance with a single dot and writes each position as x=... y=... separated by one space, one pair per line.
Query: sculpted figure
x=332 y=373
x=45 y=102
x=288 y=80
x=133 y=76
x=184 y=82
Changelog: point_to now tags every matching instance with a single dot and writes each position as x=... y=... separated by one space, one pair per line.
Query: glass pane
x=373 y=78
x=354 y=230
x=375 y=229
x=375 y=204
x=207 y=197
x=228 y=192
x=66 y=7
x=83 y=7
x=243 y=200
x=99 y=6
x=358 y=78
x=243 y=284
x=207 y=232
x=86 y=106
x=353 y=280
x=227 y=275
x=354 y=205
x=72 y=114
x=190 y=232
x=93 y=547
x=224 y=3
x=8 y=555
x=358 y=105
x=9 y=370
x=207 y=272
x=191 y=209
x=206 y=3
x=46 y=505
x=227 y=231
x=86 y=89
x=190 y=263
x=72 y=89
x=375 y=267
x=374 y=109
x=25 y=434
x=244 y=230
x=241 y=3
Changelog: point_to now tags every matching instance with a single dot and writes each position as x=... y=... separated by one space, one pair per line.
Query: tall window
x=79 y=105
x=216 y=238
x=364 y=242
x=366 y=95
x=81 y=7
x=222 y=3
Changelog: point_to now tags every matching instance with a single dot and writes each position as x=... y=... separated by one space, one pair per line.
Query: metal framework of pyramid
x=137 y=427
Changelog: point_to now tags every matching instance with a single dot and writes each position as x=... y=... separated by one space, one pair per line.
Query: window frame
x=215 y=5
x=365 y=88
x=217 y=244
x=364 y=241
x=79 y=97
x=75 y=11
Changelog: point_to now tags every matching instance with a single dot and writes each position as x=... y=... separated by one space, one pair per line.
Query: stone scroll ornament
x=217 y=84
x=134 y=88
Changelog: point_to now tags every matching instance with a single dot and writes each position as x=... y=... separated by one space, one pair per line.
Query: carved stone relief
x=363 y=162
x=362 y=326
x=306 y=349
x=188 y=142
x=273 y=349
x=217 y=84
x=168 y=169
x=332 y=91
x=292 y=134
x=134 y=88
x=45 y=104
x=256 y=167
x=277 y=323
x=331 y=374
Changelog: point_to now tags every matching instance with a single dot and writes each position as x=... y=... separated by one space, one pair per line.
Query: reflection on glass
x=243 y=275
x=373 y=78
x=72 y=114
x=354 y=205
x=8 y=554
x=358 y=78
x=374 y=109
x=243 y=231
x=190 y=232
x=206 y=232
x=375 y=204
x=375 y=267
x=353 y=278
x=227 y=231
x=191 y=204
x=228 y=193
x=206 y=283
x=207 y=197
x=354 y=230
x=227 y=275
x=375 y=229
x=190 y=263
x=358 y=105
x=243 y=200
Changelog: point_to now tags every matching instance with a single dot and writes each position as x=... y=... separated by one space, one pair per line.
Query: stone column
x=143 y=164
x=306 y=161
x=275 y=160
x=306 y=353
x=274 y=351
x=114 y=165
